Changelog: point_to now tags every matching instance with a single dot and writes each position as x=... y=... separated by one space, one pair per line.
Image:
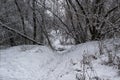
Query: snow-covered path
x=40 y=63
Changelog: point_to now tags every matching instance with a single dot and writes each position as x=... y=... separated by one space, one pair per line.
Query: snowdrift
x=30 y=62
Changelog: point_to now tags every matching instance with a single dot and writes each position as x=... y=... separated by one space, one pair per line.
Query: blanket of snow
x=32 y=62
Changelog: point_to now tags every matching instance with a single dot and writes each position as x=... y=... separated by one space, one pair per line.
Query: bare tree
x=21 y=17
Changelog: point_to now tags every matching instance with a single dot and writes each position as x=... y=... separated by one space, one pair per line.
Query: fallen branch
x=19 y=33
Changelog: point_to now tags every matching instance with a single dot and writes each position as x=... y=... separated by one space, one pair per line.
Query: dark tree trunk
x=12 y=42
x=22 y=20
x=34 y=21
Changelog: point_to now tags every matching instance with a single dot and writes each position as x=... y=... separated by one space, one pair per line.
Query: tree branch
x=19 y=33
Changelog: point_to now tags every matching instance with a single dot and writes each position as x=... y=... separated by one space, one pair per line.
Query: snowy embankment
x=40 y=63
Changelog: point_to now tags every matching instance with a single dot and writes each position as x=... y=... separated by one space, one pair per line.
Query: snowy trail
x=40 y=63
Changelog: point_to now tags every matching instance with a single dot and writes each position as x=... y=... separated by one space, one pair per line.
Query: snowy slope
x=40 y=63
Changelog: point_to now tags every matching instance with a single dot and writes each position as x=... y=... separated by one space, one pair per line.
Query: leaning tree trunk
x=19 y=33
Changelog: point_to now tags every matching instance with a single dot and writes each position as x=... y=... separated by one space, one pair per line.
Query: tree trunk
x=19 y=33
x=12 y=43
x=34 y=20
x=22 y=19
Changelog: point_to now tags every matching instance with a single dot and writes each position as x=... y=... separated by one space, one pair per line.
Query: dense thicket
x=80 y=20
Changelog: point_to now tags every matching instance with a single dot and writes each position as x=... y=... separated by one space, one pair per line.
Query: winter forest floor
x=87 y=61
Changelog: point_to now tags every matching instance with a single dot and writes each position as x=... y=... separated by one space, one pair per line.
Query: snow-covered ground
x=28 y=62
